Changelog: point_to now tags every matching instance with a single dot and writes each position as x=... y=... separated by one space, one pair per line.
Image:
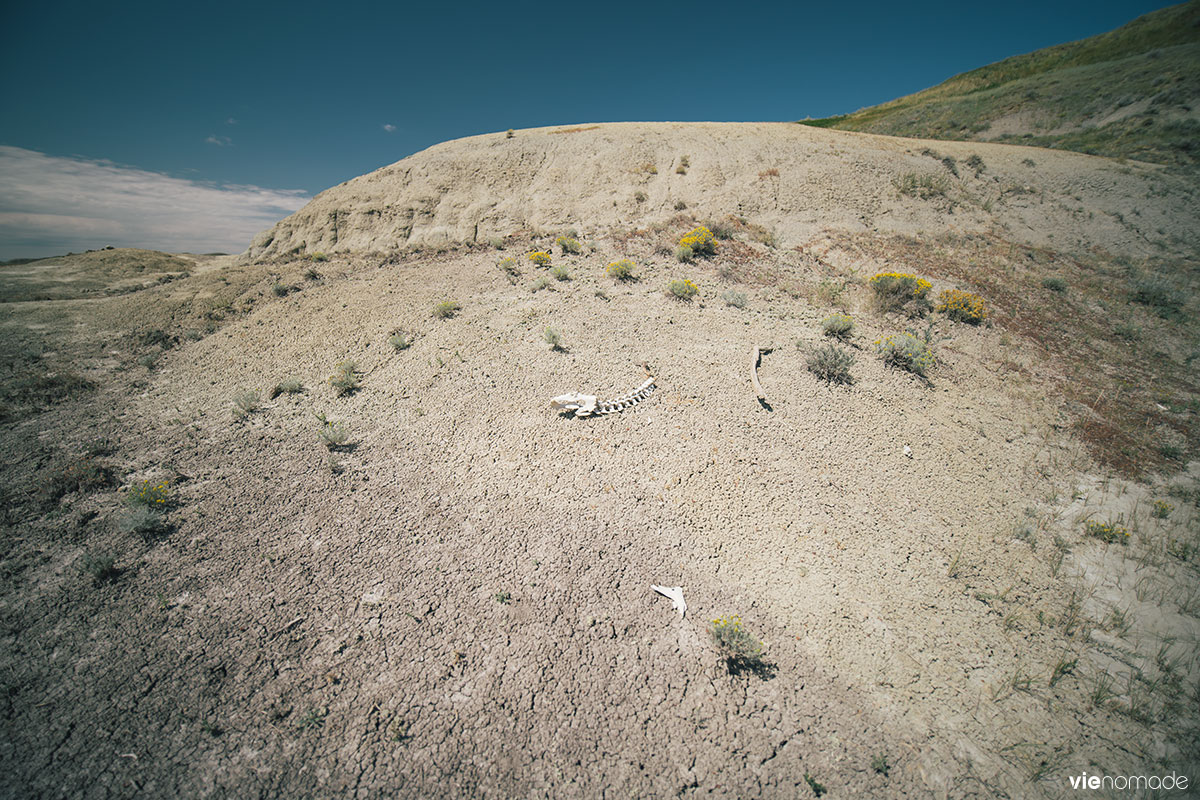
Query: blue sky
x=246 y=109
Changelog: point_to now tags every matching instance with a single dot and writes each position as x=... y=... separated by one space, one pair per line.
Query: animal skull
x=584 y=405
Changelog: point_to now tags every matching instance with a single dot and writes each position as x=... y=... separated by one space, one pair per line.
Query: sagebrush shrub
x=446 y=309
x=399 y=341
x=900 y=290
x=289 y=386
x=838 y=326
x=245 y=401
x=962 y=306
x=508 y=265
x=621 y=270
x=553 y=338
x=700 y=240
x=345 y=379
x=569 y=245
x=684 y=254
x=334 y=435
x=143 y=521
x=907 y=352
x=830 y=363
x=735 y=299
x=683 y=289
x=1054 y=284
x=560 y=273
x=739 y=648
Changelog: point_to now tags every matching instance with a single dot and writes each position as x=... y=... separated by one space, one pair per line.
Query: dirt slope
x=457 y=602
x=794 y=180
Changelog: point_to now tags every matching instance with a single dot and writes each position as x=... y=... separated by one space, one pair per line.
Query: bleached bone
x=585 y=405
x=675 y=593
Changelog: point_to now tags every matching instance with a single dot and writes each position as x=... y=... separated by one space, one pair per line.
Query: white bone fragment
x=675 y=594
x=908 y=451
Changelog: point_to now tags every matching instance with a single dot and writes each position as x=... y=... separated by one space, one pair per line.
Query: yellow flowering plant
x=700 y=241
x=151 y=494
x=540 y=257
x=962 y=306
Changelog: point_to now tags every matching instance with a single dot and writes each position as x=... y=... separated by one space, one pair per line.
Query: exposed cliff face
x=792 y=179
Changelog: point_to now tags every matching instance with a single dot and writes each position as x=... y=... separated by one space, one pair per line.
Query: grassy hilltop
x=1128 y=93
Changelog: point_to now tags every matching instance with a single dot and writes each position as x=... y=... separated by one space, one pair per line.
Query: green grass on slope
x=1066 y=94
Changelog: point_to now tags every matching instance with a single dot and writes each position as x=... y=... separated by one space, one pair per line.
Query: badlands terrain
x=411 y=577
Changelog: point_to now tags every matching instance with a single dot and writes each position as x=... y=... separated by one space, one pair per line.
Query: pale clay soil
x=309 y=632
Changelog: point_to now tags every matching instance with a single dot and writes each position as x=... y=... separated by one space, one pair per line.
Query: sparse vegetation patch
x=907 y=352
x=838 y=326
x=962 y=306
x=830 y=363
x=700 y=241
x=683 y=289
x=896 y=291
x=621 y=270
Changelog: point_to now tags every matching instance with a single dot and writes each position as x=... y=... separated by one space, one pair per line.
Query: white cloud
x=51 y=204
x=219 y=141
x=231 y=121
x=390 y=128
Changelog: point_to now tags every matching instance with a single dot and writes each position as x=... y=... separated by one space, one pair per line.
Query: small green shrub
x=102 y=568
x=680 y=205
x=1054 y=284
x=621 y=270
x=560 y=273
x=496 y=242
x=312 y=274
x=569 y=245
x=83 y=475
x=446 y=309
x=975 y=163
x=288 y=386
x=503 y=598
x=333 y=435
x=817 y=787
x=639 y=196
x=508 y=265
x=700 y=240
x=830 y=363
x=1165 y=297
x=880 y=764
x=155 y=494
x=683 y=289
x=738 y=647
x=541 y=283
x=1108 y=532
x=280 y=290
x=319 y=257
x=553 y=338
x=540 y=258
x=907 y=352
x=149 y=361
x=399 y=340
x=648 y=168
x=143 y=521
x=895 y=291
x=245 y=401
x=962 y=306
x=838 y=326
x=735 y=299
x=681 y=170
x=723 y=229
x=1162 y=509
x=1127 y=331
x=685 y=161
x=345 y=379
x=684 y=254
